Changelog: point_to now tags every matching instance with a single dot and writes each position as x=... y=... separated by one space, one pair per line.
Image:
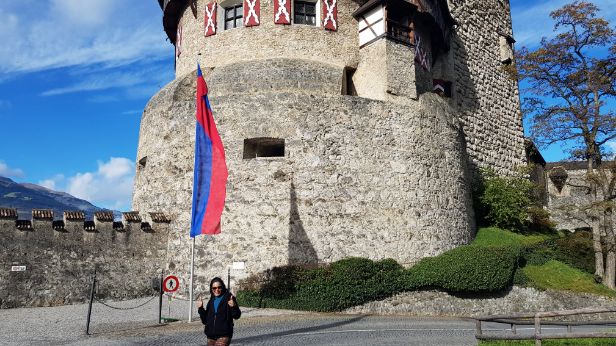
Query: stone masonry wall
x=567 y=205
x=486 y=97
x=267 y=40
x=359 y=177
x=59 y=261
x=488 y=100
x=376 y=178
x=517 y=300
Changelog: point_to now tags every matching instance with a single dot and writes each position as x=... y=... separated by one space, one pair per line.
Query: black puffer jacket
x=221 y=323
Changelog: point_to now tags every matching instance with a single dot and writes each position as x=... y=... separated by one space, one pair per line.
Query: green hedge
x=342 y=284
x=355 y=281
x=467 y=269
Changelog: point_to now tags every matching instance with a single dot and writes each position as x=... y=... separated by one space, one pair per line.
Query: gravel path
x=62 y=325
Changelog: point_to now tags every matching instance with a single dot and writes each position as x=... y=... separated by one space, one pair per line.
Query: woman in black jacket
x=219 y=314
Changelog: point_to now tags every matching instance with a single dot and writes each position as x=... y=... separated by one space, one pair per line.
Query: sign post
x=170 y=284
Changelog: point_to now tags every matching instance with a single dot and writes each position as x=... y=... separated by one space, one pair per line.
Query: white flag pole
x=190 y=288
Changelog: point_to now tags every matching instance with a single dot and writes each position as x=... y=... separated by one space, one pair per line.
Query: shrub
x=576 y=250
x=507 y=200
x=342 y=284
x=355 y=281
x=467 y=269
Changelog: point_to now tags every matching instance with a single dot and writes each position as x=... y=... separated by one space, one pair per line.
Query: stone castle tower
x=351 y=127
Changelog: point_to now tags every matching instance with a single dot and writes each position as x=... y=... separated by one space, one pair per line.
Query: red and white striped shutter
x=252 y=12
x=209 y=20
x=282 y=11
x=330 y=15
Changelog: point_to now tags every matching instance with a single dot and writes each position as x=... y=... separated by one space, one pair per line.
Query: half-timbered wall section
x=419 y=40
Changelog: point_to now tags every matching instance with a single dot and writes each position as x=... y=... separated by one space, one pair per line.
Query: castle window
x=233 y=16
x=305 y=12
x=506 y=48
x=263 y=147
x=348 y=87
x=142 y=162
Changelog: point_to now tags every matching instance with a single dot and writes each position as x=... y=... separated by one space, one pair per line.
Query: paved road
x=309 y=329
x=64 y=325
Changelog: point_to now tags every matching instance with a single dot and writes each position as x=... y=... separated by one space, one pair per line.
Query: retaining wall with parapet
x=46 y=262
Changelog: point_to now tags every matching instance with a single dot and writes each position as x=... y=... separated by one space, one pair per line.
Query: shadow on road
x=299 y=330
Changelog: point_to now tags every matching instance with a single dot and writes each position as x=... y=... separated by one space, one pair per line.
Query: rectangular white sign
x=239 y=265
x=18 y=268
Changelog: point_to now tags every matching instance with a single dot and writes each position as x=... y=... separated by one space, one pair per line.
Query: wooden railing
x=525 y=319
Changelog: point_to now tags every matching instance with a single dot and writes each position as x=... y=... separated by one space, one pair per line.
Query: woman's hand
x=199 y=302
x=231 y=302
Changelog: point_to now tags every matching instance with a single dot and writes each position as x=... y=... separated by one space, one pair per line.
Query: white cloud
x=63 y=33
x=110 y=186
x=129 y=80
x=7 y=171
x=53 y=182
x=91 y=12
x=531 y=23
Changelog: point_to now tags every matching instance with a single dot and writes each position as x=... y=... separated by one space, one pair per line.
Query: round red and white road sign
x=171 y=284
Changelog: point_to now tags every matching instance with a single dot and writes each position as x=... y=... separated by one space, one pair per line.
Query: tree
x=571 y=82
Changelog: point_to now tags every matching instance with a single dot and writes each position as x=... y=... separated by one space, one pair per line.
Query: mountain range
x=25 y=197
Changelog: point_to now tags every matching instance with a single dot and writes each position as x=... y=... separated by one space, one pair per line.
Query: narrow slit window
x=263 y=147
x=348 y=87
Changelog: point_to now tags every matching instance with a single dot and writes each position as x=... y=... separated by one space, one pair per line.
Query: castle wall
x=569 y=201
x=487 y=98
x=267 y=40
x=359 y=177
x=59 y=262
x=383 y=174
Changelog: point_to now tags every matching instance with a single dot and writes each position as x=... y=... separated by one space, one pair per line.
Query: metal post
x=229 y=279
x=160 y=300
x=190 y=288
x=91 y=301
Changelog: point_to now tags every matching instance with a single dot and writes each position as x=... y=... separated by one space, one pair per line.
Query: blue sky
x=76 y=74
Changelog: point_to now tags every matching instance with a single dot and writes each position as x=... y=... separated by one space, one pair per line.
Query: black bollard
x=91 y=301
x=229 y=279
x=160 y=300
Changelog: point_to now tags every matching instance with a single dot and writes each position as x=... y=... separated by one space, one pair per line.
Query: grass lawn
x=557 y=342
x=559 y=276
x=492 y=236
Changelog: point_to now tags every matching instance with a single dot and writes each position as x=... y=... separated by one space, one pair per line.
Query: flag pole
x=190 y=287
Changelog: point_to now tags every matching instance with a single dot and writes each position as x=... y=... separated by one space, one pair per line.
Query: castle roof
x=172 y=10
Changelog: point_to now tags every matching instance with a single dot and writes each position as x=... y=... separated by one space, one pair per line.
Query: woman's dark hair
x=222 y=283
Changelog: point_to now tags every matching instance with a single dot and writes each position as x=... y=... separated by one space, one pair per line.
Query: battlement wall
x=46 y=262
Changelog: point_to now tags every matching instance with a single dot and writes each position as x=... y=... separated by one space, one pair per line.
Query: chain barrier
x=178 y=298
x=121 y=308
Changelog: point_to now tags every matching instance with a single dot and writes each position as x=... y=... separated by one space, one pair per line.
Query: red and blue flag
x=210 y=176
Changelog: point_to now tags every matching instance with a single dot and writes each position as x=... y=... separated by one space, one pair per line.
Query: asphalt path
x=309 y=329
x=135 y=323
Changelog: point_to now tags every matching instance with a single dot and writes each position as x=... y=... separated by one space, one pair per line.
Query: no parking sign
x=171 y=284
